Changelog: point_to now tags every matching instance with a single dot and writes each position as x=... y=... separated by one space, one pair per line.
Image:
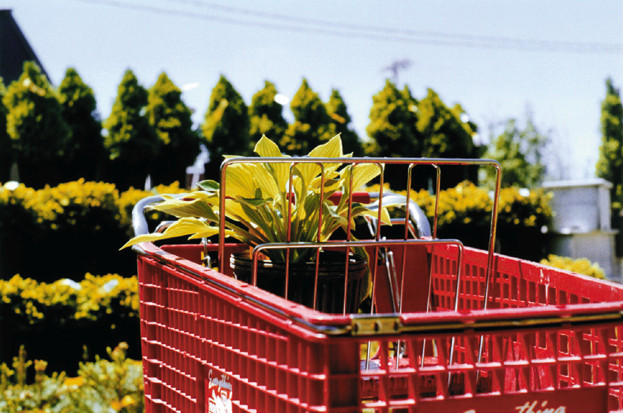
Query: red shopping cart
x=449 y=328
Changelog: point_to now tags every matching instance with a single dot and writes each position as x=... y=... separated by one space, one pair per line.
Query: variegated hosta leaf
x=197 y=228
x=266 y=182
x=331 y=149
x=332 y=220
x=330 y=186
x=360 y=210
x=363 y=174
x=239 y=178
x=234 y=210
x=196 y=204
x=279 y=171
x=267 y=148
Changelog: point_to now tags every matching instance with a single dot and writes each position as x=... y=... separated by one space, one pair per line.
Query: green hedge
x=54 y=321
x=100 y=386
x=68 y=229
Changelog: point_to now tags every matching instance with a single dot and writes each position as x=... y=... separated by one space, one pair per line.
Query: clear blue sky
x=496 y=58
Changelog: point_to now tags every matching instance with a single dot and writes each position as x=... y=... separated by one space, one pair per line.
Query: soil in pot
x=330 y=293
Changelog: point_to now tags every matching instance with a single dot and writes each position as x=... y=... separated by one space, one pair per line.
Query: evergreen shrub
x=54 y=321
x=114 y=385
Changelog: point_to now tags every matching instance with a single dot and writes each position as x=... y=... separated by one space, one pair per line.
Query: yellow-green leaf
x=278 y=171
x=267 y=148
x=196 y=204
x=240 y=180
x=266 y=182
x=331 y=149
x=362 y=174
x=184 y=226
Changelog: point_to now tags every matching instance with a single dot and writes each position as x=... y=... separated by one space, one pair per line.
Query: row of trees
x=55 y=134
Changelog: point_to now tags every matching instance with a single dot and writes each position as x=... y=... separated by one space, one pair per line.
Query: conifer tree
x=610 y=163
x=312 y=125
x=266 y=115
x=171 y=120
x=131 y=143
x=85 y=152
x=226 y=123
x=392 y=127
x=336 y=108
x=392 y=130
x=444 y=135
x=519 y=149
x=35 y=125
x=441 y=131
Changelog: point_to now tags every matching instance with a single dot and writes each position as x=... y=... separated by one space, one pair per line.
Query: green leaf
x=209 y=185
x=253 y=202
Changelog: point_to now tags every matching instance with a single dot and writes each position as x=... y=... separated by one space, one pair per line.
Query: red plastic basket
x=470 y=331
x=550 y=341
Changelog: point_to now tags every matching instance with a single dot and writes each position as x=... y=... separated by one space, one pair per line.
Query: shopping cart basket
x=450 y=328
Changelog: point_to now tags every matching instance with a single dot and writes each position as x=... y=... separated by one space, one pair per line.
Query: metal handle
x=139 y=222
x=416 y=214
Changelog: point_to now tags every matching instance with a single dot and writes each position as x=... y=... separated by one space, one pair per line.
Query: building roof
x=14 y=49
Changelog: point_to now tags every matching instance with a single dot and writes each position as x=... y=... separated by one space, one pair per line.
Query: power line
x=375 y=33
x=402 y=32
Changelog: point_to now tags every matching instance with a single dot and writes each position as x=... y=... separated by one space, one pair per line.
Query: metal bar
x=289 y=193
x=493 y=230
x=435 y=162
x=490 y=256
x=348 y=234
x=437 y=191
x=319 y=232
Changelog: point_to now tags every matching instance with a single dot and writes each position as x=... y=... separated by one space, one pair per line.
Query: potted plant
x=259 y=209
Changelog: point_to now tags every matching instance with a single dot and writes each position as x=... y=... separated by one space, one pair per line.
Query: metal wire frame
x=381 y=162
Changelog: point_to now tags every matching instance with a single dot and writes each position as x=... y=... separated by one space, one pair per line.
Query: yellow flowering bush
x=579 y=265
x=18 y=196
x=531 y=209
x=64 y=300
x=70 y=228
x=76 y=204
x=469 y=204
x=129 y=198
x=463 y=204
x=464 y=212
x=114 y=385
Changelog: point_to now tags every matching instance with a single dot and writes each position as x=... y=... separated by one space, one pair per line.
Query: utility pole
x=396 y=67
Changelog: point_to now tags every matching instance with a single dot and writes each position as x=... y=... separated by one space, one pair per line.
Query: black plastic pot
x=331 y=271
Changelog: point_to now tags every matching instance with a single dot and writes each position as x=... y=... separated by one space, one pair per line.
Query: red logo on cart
x=219 y=392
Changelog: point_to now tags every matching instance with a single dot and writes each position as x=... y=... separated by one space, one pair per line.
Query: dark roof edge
x=8 y=14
